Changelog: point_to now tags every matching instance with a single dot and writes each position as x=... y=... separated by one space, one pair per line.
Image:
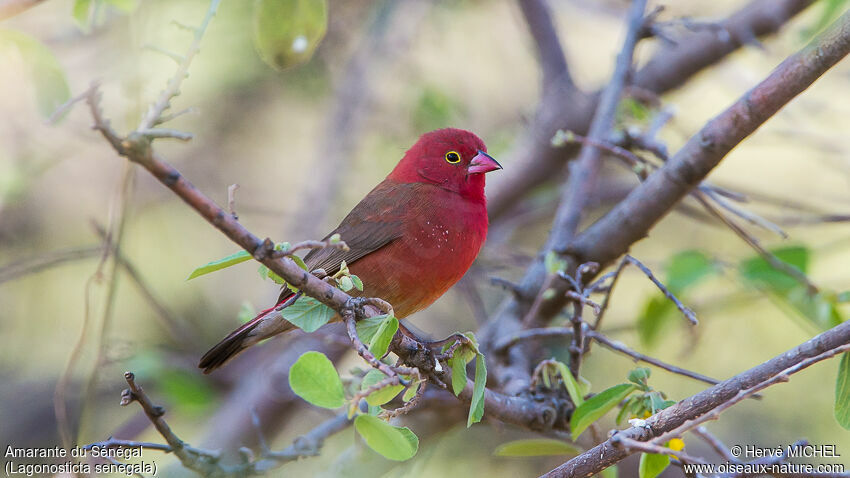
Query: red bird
x=410 y=239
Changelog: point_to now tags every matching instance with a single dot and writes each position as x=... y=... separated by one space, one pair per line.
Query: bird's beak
x=483 y=163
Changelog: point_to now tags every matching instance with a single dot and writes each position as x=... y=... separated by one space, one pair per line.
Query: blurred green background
x=469 y=64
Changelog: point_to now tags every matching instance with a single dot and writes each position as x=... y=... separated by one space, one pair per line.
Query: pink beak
x=482 y=163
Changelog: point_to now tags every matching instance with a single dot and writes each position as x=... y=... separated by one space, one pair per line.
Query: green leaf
x=345 y=283
x=380 y=341
x=462 y=356
x=639 y=376
x=842 y=392
x=570 y=384
x=308 y=314
x=434 y=107
x=47 y=75
x=535 y=447
x=458 y=365
x=657 y=313
x=686 y=269
x=759 y=272
x=383 y=395
x=300 y=262
x=610 y=472
x=125 y=6
x=830 y=11
x=367 y=327
x=821 y=309
x=651 y=465
x=287 y=32
x=377 y=333
x=81 y=13
x=267 y=273
x=596 y=406
x=553 y=263
x=411 y=392
x=476 y=407
x=358 y=284
x=185 y=389
x=231 y=260
x=314 y=378
x=394 y=443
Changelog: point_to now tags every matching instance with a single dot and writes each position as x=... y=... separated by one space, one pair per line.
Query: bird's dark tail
x=266 y=324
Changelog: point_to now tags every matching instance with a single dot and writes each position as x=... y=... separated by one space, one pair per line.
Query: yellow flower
x=676 y=444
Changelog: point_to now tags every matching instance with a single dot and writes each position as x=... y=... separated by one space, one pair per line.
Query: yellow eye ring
x=452 y=157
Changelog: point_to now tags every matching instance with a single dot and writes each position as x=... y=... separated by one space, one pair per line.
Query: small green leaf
x=81 y=13
x=842 y=392
x=267 y=273
x=48 y=77
x=383 y=395
x=476 y=407
x=367 y=327
x=287 y=32
x=411 y=392
x=231 y=260
x=308 y=314
x=553 y=263
x=657 y=313
x=334 y=239
x=185 y=389
x=314 y=378
x=651 y=465
x=300 y=262
x=125 y=6
x=394 y=443
x=358 y=284
x=434 y=107
x=759 y=272
x=831 y=9
x=639 y=376
x=570 y=384
x=535 y=447
x=686 y=269
x=380 y=340
x=345 y=283
x=458 y=365
x=596 y=406
x=610 y=472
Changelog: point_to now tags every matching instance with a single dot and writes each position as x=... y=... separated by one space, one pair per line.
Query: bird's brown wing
x=372 y=224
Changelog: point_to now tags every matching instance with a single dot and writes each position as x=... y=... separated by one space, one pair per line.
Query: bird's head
x=450 y=158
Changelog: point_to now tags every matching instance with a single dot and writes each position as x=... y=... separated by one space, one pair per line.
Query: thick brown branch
x=553 y=62
x=606 y=454
x=630 y=220
x=533 y=158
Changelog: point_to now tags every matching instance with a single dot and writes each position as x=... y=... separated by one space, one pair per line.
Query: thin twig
x=718 y=446
x=621 y=348
x=781 y=376
x=631 y=445
x=768 y=256
x=172 y=89
x=47 y=260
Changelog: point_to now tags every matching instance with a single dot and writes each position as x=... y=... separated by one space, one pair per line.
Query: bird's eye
x=452 y=157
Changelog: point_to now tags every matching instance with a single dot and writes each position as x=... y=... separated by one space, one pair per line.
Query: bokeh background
x=305 y=144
